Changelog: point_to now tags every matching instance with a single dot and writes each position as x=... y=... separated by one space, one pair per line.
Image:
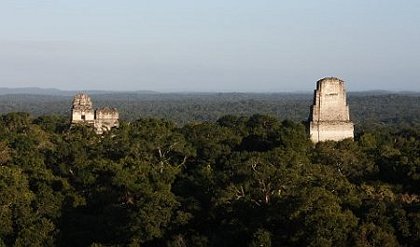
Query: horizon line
x=192 y=91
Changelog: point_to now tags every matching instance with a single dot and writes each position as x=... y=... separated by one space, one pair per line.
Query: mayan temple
x=329 y=118
x=102 y=119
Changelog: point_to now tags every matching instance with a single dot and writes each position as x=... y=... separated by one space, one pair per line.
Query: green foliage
x=238 y=181
x=261 y=238
x=347 y=158
x=321 y=219
x=20 y=222
x=372 y=235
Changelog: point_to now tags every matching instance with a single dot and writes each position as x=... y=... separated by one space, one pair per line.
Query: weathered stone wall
x=330 y=118
x=106 y=119
x=82 y=116
x=107 y=113
x=82 y=110
x=330 y=131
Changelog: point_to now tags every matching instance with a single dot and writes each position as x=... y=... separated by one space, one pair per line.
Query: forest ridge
x=182 y=108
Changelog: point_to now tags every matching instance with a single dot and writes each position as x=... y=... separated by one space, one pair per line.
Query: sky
x=209 y=45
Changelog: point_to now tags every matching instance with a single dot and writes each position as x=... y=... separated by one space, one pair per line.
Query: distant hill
x=382 y=92
x=58 y=92
x=31 y=90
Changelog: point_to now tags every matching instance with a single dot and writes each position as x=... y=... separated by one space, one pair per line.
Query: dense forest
x=238 y=181
x=365 y=107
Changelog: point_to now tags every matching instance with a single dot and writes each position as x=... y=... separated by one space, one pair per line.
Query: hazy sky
x=209 y=45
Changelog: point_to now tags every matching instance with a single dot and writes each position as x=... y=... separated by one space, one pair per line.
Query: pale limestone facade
x=330 y=118
x=102 y=119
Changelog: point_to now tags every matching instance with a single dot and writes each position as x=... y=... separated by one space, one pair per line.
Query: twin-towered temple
x=329 y=118
x=102 y=119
